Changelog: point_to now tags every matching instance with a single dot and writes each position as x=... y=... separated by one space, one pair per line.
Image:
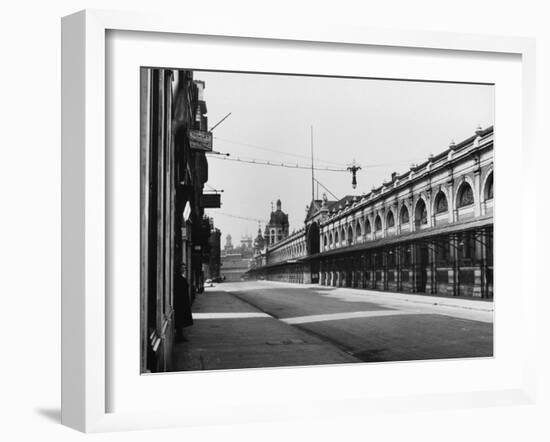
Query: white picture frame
x=85 y=306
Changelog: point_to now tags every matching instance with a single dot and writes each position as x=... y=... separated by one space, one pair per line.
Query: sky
x=384 y=125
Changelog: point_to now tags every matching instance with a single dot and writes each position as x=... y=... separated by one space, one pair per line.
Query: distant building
x=228 y=247
x=235 y=261
x=246 y=243
x=259 y=242
x=277 y=228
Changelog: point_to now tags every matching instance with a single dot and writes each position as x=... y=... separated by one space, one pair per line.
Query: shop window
x=406 y=255
x=391 y=258
x=442 y=251
x=466 y=246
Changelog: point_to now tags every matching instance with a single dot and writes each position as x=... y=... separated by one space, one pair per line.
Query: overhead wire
x=255 y=146
x=245 y=218
x=276 y=163
x=262 y=162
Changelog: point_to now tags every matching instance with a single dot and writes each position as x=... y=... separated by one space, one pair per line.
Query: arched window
x=420 y=214
x=465 y=195
x=377 y=223
x=336 y=237
x=404 y=215
x=367 y=226
x=330 y=239
x=489 y=187
x=441 y=205
x=358 y=232
x=390 y=221
x=325 y=240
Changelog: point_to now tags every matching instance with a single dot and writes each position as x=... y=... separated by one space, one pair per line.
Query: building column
x=414 y=267
x=453 y=288
x=477 y=189
x=398 y=286
x=479 y=253
x=431 y=287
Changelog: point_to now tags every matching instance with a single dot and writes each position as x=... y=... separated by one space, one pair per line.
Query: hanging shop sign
x=200 y=140
x=211 y=201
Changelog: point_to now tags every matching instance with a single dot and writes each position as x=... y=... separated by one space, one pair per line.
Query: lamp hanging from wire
x=354 y=168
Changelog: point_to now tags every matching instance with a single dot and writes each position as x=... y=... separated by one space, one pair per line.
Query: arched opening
x=488 y=192
x=377 y=223
x=420 y=214
x=441 y=205
x=336 y=239
x=358 y=230
x=313 y=238
x=390 y=220
x=404 y=215
x=312 y=247
x=350 y=236
x=465 y=195
x=367 y=226
x=325 y=241
x=330 y=239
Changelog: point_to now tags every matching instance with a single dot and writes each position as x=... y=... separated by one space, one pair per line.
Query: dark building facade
x=428 y=230
x=174 y=232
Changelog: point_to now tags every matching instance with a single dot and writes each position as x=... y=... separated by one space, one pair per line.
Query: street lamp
x=354 y=169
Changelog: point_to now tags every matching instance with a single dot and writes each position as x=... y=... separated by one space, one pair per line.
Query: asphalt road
x=377 y=326
x=268 y=324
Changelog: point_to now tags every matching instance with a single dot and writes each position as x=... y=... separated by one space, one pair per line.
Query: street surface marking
x=348 y=315
x=234 y=315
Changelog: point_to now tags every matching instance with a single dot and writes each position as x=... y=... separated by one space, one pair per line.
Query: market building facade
x=428 y=230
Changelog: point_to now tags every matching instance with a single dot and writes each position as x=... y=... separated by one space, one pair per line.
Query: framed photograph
x=268 y=222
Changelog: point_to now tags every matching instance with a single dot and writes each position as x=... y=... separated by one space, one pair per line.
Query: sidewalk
x=485 y=305
x=229 y=333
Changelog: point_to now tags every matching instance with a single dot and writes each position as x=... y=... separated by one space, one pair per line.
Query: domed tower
x=228 y=244
x=277 y=228
x=259 y=242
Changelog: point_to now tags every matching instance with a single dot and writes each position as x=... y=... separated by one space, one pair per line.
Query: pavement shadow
x=51 y=414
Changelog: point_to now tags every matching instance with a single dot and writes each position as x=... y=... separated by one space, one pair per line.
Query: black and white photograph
x=295 y=220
